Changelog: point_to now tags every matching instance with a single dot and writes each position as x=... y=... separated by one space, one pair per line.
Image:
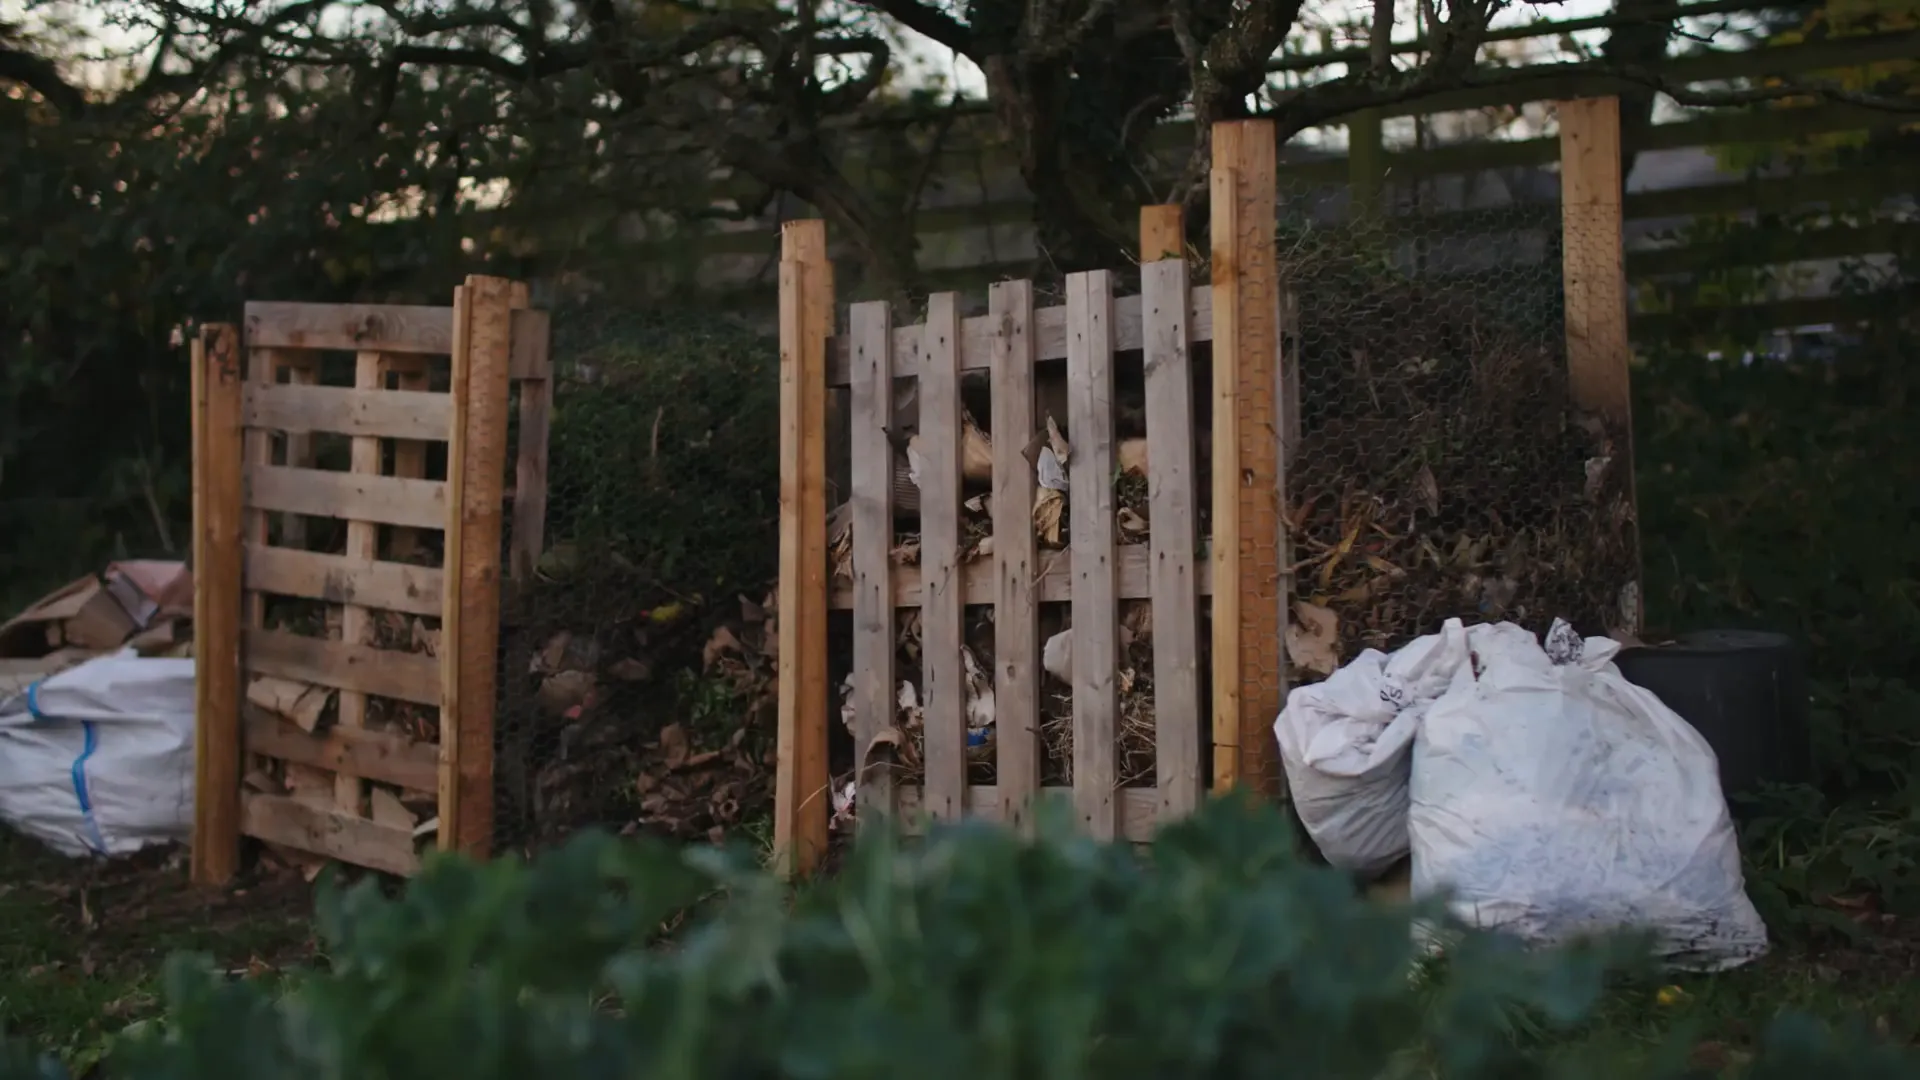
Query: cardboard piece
x=81 y=614
x=151 y=589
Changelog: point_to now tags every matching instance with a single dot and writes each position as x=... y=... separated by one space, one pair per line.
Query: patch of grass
x=81 y=942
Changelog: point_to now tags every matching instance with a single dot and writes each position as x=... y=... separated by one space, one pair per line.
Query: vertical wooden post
x=1164 y=302
x=470 y=625
x=533 y=360
x=356 y=621
x=942 y=605
x=1163 y=233
x=1599 y=354
x=217 y=497
x=1096 y=609
x=871 y=365
x=801 y=800
x=1249 y=673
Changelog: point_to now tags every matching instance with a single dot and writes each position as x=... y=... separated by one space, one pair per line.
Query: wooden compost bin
x=385 y=692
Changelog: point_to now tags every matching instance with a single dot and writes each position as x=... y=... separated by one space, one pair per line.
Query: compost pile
x=1440 y=471
x=644 y=712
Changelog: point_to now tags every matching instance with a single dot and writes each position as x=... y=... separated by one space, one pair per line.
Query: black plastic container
x=1745 y=691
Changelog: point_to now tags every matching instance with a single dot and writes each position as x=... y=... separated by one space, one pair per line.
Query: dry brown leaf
x=674 y=745
x=1133 y=456
x=1048 y=508
x=721 y=643
x=631 y=669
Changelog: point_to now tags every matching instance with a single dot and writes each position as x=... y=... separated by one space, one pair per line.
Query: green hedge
x=975 y=956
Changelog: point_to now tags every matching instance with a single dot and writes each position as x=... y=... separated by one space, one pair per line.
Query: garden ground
x=81 y=951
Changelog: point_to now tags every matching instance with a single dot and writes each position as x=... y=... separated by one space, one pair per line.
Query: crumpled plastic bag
x=1346 y=744
x=1553 y=799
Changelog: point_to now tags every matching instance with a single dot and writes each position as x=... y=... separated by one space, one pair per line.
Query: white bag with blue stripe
x=98 y=759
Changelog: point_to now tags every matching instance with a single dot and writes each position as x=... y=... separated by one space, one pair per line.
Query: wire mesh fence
x=1435 y=467
x=635 y=682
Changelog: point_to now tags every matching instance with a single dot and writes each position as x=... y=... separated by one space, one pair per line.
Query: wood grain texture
x=873 y=641
x=363 y=543
x=1012 y=585
x=1163 y=235
x=281 y=820
x=218 y=528
x=530 y=342
x=1096 y=610
x=1171 y=507
x=941 y=610
x=1046 y=333
x=385 y=414
x=1224 y=545
x=467 y=654
x=396 y=328
x=801 y=804
x=256 y=450
x=374 y=755
x=362 y=668
x=302 y=369
x=386 y=500
x=410 y=455
x=1247 y=150
x=339 y=579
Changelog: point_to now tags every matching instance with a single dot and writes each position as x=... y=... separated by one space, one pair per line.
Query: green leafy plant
x=975 y=954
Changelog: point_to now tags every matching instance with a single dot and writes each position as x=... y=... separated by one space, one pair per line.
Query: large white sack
x=98 y=759
x=1346 y=743
x=1552 y=798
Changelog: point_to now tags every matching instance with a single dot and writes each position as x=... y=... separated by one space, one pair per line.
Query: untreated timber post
x=217 y=496
x=1599 y=354
x=470 y=622
x=1249 y=672
x=806 y=321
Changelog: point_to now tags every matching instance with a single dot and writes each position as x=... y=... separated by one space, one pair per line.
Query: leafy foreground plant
x=976 y=955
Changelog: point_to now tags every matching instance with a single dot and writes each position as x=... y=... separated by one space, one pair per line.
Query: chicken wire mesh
x=1440 y=467
x=635 y=666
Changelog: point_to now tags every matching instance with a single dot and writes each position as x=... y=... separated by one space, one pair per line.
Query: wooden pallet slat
x=218 y=446
x=1171 y=508
x=873 y=625
x=372 y=755
x=344 y=666
x=282 y=820
x=941 y=614
x=339 y=579
x=1012 y=586
x=386 y=500
x=386 y=414
x=1046 y=334
x=1096 y=613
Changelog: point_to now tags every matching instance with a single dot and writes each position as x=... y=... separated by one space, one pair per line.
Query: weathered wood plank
x=380 y=672
x=941 y=610
x=1051 y=583
x=1163 y=235
x=1171 y=509
x=1013 y=585
x=338 y=579
x=385 y=414
x=530 y=344
x=363 y=542
x=396 y=328
x=374 y=755
x=218 y=526
x=873 y=643
x=1096 y=611
x=1138 y=808
x=388 y=500
x=1046 y=332
x=470 y=625
x=281 y=820
x=302 y=370
x=410 y=455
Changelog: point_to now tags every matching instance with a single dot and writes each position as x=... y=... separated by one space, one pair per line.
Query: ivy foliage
x=1219 y=954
